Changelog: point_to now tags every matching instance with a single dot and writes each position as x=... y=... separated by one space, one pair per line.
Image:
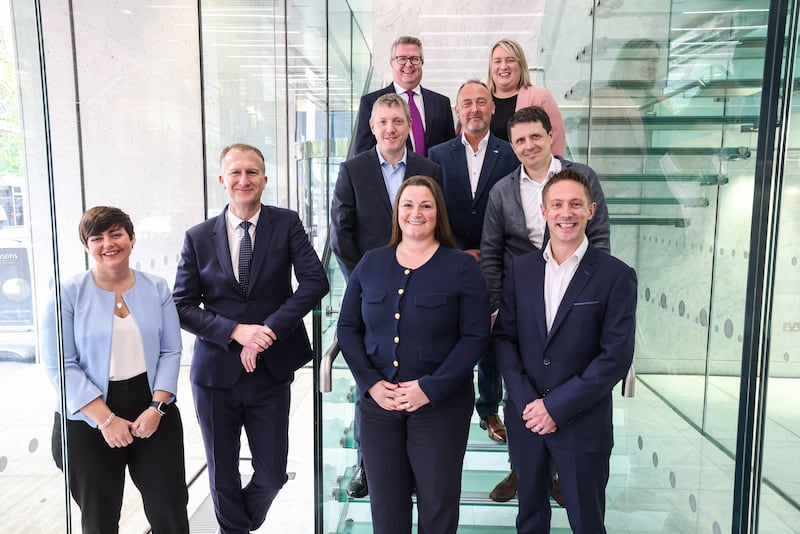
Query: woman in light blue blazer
x=122 y=347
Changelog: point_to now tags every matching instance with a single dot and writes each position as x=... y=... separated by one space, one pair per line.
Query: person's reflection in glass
x=633 y=92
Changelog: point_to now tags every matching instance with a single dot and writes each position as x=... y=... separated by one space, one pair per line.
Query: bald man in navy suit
x=470 y=166
x=234 y=292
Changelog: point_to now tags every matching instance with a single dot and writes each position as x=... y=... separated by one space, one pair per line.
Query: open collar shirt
x=557 y=278
x=531 y=193
x=392 y=176
x=475 y=160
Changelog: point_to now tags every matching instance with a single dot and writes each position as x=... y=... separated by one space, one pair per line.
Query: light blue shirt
x=87 y=319
x=392 y=177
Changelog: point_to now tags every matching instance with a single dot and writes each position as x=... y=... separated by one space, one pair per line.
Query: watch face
x=161 y=407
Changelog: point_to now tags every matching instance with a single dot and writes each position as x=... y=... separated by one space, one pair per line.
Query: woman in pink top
x=510 y=84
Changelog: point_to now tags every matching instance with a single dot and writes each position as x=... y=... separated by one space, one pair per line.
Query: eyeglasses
x=402 y=60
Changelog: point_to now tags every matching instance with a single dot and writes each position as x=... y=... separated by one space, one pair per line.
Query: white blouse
x=127 y=352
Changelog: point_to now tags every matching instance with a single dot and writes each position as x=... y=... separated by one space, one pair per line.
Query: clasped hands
x=537 y=419
x=254 y=339
x=400 y=397
x=120 y=432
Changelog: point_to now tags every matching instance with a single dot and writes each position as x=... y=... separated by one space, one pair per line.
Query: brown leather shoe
x=506 y=489
x=555 y=492
x=495 y=427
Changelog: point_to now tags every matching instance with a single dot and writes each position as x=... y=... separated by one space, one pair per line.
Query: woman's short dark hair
x=98 y=219
x=442 y=233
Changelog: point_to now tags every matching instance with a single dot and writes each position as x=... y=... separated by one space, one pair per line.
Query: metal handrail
x=326 y=367
x=326 y=362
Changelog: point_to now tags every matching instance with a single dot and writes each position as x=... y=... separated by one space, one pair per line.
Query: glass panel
x=243 y=61
x=31 y=485
x=124 y=130
x=662 y=103
x=779 y=509
x=348 y=70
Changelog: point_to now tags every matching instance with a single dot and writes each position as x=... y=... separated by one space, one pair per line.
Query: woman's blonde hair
x=515 y=49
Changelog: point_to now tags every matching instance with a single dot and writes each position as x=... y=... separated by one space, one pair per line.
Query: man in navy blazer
x=514 y=223
x=435 y=110
x=361 y=209
x=564 y=338
x=470 y=166
x=233 y=290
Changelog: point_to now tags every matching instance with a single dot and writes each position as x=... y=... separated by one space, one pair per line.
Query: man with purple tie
x=431 y=114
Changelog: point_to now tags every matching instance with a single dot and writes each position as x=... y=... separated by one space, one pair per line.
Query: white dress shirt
x=557 y=278
x=235 y=233
x=475 y=160
x=531 y=193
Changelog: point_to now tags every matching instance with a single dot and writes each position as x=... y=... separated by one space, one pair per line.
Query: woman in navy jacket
x=414 y=321
x=122 y=350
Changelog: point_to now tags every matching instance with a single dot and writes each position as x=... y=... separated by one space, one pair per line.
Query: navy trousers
x=259 y=403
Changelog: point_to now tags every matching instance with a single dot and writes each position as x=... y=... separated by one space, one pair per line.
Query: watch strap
x=160 y=407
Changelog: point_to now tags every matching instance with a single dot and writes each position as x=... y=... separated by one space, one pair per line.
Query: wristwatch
x=161 y=407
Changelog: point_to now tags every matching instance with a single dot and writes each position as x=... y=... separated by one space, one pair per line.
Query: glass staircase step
x=689 y=202
x=477 y=441
x=702 y=179
x=357 y=527
x=475 y=487
x=621 y=220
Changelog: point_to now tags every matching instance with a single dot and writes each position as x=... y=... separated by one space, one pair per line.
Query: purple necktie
x=417 y=128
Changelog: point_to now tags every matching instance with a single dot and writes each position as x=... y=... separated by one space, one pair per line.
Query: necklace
x=119 y=302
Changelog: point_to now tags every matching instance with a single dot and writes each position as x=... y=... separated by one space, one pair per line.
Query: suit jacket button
x=395 y=363
x=397 y=316
x=546 y=361
x=474 y=212
x=407 y=271
x=401 y=291
x=396 y=339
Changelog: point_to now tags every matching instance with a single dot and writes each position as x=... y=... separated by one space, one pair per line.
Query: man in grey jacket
x=514 y=224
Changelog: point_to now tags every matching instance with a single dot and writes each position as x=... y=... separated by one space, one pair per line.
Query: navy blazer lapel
x=412 y=164
x=539 y=312
x=264 y=230
x=458 y=156
x=222 y=247
x=430 y=111
x=574 y=289
x=377 y=181
x=489 y=161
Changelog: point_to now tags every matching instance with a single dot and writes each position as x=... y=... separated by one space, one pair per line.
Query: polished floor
x=666 y=475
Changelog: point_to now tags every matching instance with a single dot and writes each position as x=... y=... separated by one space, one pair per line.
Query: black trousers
x=156 y=465
x=423 y=448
